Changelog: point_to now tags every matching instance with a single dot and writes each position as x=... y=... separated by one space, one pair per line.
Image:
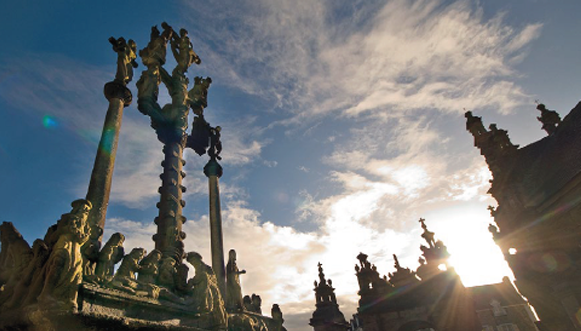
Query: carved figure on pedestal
x=427 y=235
x=215 y=143
x=64 y=267
x=126 y=55
x=124 y=278
x=206 y=294
x=167 y=271
x=110 y=255
x=256 y=303
x=183 y=51
x=233 y=289
x=500 y=138
x=549 y=118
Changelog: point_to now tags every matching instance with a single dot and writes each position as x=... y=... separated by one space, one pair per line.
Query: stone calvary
x=71 y=280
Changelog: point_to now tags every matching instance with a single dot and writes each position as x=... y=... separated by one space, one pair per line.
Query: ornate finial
x=492 y=210
x=125 y=59
x=396 y=261
x=427 y=235
x=321 y=274
x=549 y=118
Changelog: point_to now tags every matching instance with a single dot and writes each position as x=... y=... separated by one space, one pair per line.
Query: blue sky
x=342 y=125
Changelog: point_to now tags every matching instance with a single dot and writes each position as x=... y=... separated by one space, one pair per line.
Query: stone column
x=213 y=171
x=119 y=96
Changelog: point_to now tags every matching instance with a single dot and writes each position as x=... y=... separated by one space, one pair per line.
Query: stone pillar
x=119 y=97
x=169 y=237
x=213 y=171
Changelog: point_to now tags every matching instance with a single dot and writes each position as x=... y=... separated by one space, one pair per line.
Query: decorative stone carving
x=125 y=278
x=549 y=118
x=206 y=295
x=110 y=255
x=198 y=95
x=15 y=253
x=64 y=267
x=148 y=267
x=126 y=55
x=233 y=289
x=183 y=51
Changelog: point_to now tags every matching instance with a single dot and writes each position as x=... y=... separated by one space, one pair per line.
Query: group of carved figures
x=433 y=255
x=48 y=274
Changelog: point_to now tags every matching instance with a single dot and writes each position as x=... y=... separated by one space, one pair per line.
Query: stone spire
x=494 y=145
x=434 y=255
x=549 y=118
x=327 y=316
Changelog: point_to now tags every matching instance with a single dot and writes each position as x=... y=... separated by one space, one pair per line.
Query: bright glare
x=474 y=255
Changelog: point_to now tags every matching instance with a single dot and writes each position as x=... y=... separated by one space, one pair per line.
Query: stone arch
x=417 y=326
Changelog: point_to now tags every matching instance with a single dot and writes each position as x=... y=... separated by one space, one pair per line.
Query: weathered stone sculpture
x=125 y=59
x=207 y=298
x=64 y=267
x=15 y=253
x=148 y=267
x=125 y=278
x=233 y=289
x=183 y=51
x=110 y=255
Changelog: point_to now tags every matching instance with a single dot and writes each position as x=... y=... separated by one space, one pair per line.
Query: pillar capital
x=213 y=168
x=116 y=90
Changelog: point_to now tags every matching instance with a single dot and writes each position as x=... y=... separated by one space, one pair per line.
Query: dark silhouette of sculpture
x=215 y=143
x=110 y=255
x=15 y=253
x=427 y=235
x=154 y=54
x=233 y=289
x=549 y=118
x=64 y=267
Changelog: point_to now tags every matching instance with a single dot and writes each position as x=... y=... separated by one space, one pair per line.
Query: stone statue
x=154 y=54
x=199 y=139
x=183 y=51
x=167 y=272
x=475 y=127
x=126 y=55
x=15 y=253
x=549 y=118
x=233 y=289
x=124 y=278
x=198 y=95
x=148 y=267
x=64 y=268
x=215 y=143
x=90 y=252
x=206 y=294
x=110 y=255
x=276 y=314
x=15 y=291
x=247 y=303
x=256 y=303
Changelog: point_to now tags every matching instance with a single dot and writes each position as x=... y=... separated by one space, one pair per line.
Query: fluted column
x=213 y=171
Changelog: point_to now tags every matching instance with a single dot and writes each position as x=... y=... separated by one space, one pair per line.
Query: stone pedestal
x=213 y=171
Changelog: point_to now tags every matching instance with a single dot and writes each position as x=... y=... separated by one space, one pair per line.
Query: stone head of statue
x=231 y=253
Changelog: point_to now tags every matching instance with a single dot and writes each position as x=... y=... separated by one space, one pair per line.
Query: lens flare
x=49 y=122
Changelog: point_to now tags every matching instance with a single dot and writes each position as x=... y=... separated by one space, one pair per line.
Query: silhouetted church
x=538 y=190
x=538 y=228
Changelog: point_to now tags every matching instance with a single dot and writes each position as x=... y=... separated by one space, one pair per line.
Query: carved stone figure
x=167 y=271
x=256 y=303
x=14 y=292
x=475 y=127
x=90 y=252
x=15 y=253
x=149 y=267
x=110 y=255
x=183 y=51
x=206 y=294
x=215 y=144
x=233 y=289
x=64 y=267
x=276 y=314
x=549 y=118
x=500 y=138
x=247 y=303
x=427 y=235
x=124 y=278
x=154 y=54
x=198 y=95
x=126 y=55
